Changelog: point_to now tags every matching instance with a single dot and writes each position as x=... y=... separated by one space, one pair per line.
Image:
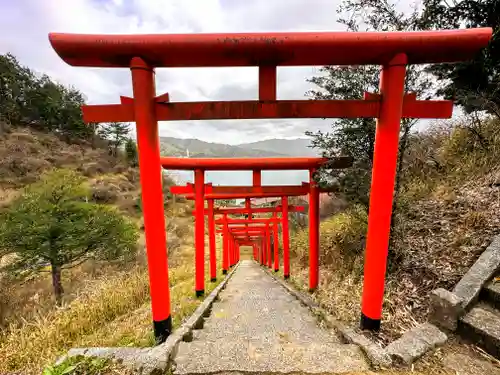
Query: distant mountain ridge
x=291 y=147
x=171 y=146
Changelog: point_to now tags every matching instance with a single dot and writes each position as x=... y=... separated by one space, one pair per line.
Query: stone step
x=257 y=356
x=482 y=327
x=491 y=293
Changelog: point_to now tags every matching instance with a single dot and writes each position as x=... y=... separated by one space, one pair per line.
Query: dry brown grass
x=446 y=215
x=109 y=310
x=104 y=304
x=26 y=153
x=38 y=341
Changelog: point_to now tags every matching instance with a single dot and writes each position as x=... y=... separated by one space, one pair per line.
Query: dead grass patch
x=109 y=311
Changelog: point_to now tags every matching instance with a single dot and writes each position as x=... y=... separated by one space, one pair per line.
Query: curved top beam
x=256 y=49
x=242 y=164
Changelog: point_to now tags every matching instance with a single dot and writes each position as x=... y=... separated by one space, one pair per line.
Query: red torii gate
x=211 y=211
x=254 y=232
x=391 y=50
x=199 y=191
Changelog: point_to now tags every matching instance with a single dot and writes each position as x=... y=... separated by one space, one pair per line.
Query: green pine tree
x=116 y=133
x=131 y=152
x=53 y=226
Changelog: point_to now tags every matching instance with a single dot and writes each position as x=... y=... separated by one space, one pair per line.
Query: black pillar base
x=224 y=272
x=312 y=290
x=369 y=323
x=276 y=270
x=213 y=280
x=286 y=277
x=162 y=330
x=200 y=293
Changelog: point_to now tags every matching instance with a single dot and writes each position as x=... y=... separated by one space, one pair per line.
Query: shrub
x=80 y=365
x=104 y=194
x=342 y=239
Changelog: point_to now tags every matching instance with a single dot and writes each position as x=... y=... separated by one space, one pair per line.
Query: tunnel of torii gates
x=199 y=192
x=392 y=51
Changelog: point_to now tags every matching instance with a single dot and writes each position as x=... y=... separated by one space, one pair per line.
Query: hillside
x=104 y=303
x=170 y=146
x=292 y=147
x=446 y=215
x=269 y=148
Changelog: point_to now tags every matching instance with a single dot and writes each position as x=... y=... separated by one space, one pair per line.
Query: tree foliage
x=131 y=152
x=52 y=225
x=116 y=133
x=473 y=84
x=39 y=102
x=356 y=137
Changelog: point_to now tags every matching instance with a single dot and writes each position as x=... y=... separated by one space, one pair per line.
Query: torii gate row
x=393 y=51
x=233 y=228
x=192 y=192
x=253 y=210
x=199 y=191
x=188 y=190
x=262 y=252
x=247 y=192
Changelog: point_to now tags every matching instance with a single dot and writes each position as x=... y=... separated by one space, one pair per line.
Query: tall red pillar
x=230 y=249
x=264 y=249
x=313 y=233
x=143 y=85
x=276 y=243
x=268 y=245
x=199 y=227
x=211 y=241
x=385 y=156
x=286 y=237
x=225 y=245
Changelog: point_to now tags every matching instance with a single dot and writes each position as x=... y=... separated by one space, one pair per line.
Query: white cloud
x=24 y=26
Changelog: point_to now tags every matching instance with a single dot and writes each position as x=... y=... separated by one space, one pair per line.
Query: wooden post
x=385 y=156
x=152 y=196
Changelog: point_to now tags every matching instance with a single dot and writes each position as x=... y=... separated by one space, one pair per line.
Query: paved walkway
x=257 y=326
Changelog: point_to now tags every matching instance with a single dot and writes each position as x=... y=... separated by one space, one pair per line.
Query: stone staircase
x=257 y=326
x=481 y=325
x=472 y=308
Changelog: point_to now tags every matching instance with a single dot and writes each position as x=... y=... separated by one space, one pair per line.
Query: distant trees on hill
x=33 y=100
x=36 y=101
x=116 y=133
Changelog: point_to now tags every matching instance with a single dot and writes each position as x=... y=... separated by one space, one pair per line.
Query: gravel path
x=257 y=326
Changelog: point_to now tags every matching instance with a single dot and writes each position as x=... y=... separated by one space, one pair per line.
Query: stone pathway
x=257 y=326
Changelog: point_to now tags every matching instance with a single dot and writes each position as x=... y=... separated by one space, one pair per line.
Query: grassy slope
x=109 y=304
x=447 y=215
x=105 y=304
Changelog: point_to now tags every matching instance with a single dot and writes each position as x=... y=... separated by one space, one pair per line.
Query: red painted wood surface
x=392 y=84
x=216 y=110
x=152 y=197
x=279 y=49
x=241 y=164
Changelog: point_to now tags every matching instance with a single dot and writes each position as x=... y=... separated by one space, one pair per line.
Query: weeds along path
x=110 y=311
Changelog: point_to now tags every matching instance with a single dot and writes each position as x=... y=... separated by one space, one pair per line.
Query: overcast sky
x=24 y=25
